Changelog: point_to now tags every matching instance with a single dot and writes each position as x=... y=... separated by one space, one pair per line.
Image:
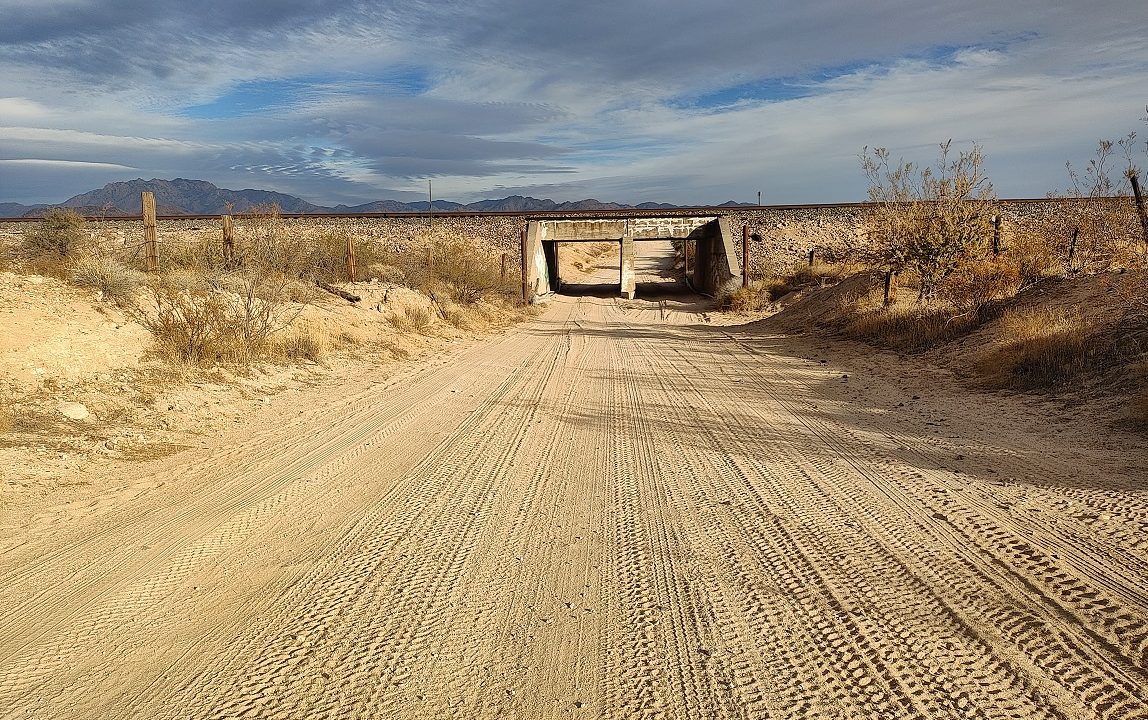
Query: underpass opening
x=649 y=257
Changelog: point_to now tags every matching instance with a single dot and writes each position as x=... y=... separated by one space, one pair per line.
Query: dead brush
x=1047 y=347
x=304 y=343
x=47 y=247
x=117 y=282
x=449 y=265
x=412 y=318
x=205 y=321
x=747 y=300
x=911 y=328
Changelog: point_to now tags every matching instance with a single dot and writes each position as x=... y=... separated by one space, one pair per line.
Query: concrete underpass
x=714 y=265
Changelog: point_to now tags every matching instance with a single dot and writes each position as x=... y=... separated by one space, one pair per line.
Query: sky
x=677 y=101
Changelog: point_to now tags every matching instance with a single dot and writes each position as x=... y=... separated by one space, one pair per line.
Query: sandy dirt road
x=617 y=510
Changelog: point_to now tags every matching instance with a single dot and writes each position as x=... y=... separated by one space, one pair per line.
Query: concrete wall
x=715 y=258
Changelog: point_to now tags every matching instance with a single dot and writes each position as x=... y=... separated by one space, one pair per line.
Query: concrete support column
x=626 y=265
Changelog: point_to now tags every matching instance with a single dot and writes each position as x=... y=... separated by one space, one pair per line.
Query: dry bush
x=927 y=219
x=975 y=283
x=117 y=282
x=1033 y=252
x=204 y=321
x=1101 y=214
x=386 y=273
x=452 y=267
x=47 y=246
x=804 y=275
x=911 y=328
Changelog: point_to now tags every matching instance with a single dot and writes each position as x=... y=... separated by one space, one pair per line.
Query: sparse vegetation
x=231 y=319
x=47 y=246
x=118 y=283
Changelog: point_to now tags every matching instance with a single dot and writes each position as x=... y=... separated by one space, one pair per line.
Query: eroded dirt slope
x=619 y=510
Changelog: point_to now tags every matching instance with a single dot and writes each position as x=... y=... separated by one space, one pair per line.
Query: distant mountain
x=191 y=197
x=10 y=209
x=199 y=197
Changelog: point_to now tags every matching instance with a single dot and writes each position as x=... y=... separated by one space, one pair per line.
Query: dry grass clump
x=304 y=343
x=116 y=281
x=759 y=296
x=756 y=298
x=412 y=318
x=1047 y=347
x=909 y=328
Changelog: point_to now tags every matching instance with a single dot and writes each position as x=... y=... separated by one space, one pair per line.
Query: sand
x=619 y=509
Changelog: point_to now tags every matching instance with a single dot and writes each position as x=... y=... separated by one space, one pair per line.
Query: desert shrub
x=1099 y=212
x=386 y=273
x=1033 y=252
x=928 y=219
x=204 y=321
x=116 y=281
x=47 y=245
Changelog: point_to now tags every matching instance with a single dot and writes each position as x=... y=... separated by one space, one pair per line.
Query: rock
x=73 y=410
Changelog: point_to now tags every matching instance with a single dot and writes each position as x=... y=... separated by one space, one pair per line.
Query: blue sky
x=623 y=100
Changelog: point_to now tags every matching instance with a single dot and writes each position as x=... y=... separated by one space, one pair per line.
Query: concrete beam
x=652 y=228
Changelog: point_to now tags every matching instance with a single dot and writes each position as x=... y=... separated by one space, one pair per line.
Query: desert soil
x=619 y=509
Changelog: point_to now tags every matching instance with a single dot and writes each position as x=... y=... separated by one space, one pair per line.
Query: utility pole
x=759 y=198
x=430 y=205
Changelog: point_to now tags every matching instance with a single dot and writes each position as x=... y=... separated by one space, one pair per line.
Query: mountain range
x=199 y=197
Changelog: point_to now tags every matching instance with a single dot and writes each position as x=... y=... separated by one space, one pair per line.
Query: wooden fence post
x=522 y=251
x=349 y=258
x=502 y=275
x=1072 y=248
x=151 y=253
x=745 y=256
x=996 y=235
x=890 y=288
x=228 y=242
x=812 y=253
x=1140 y=210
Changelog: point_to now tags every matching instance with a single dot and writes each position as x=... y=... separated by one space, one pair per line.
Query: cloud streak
x=632 y=100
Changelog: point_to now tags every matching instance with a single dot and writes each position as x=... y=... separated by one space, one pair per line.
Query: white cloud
x=496 y=94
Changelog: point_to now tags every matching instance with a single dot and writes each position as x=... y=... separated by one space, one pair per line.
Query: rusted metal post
x=1140 y=210
x=522 y=250
x=228 y=242
x=890 y=288
x=151 y=253
x=996 y=235
x=349 y=258
x=745 y=256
